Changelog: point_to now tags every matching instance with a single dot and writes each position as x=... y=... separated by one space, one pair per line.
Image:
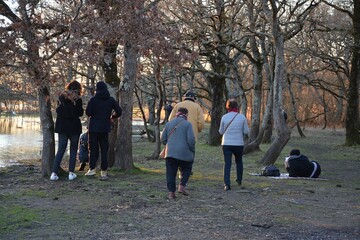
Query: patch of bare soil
x=134 y=206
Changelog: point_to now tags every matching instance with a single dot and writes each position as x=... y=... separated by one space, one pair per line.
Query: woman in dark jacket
x=100 y=111
x=68 y=126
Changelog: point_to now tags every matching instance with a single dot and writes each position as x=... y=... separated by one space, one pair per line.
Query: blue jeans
x=96 y=141
x=172 y=166
x=62 y=144
x=228 y=151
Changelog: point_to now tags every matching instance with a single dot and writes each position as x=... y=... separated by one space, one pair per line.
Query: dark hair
x=74 y=86
x=183 y=110
x=295 y=152
x=231 y=103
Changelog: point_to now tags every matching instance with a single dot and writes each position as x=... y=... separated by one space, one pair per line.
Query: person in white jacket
x=233 y=127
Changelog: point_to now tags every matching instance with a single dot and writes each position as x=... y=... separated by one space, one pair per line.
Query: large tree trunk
x=217 y=87
x=47 y=127
x=352 y=115
x=282 y=131
x=123 y=149
x=109 y=66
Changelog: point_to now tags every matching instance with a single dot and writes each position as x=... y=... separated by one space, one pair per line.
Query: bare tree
x=31 y=40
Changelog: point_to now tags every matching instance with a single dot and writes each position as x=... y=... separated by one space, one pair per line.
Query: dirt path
x=134 y=206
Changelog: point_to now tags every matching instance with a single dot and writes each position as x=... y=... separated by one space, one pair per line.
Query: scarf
x=180 y=114
x=232 y=110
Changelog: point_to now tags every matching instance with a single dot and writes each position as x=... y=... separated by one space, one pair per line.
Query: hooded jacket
x=100 y=110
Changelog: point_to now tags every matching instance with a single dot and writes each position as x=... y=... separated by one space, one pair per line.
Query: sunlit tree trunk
x=282 y=131
x=47 y=128
x=123 y=149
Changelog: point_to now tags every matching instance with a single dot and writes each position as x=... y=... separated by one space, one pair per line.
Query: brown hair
x=231 y=103
x=74 y=86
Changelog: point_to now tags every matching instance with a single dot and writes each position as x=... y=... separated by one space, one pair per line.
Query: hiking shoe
x=54 y=177
x=182 y=190
x=72 y=176
x=103 y=175
x=227 y=188
x=171 y=196
x=91 y=172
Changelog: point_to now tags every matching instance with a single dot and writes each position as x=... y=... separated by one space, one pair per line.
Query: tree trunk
x=217 y=86
x=255 y=144
x=352 y=115
x=47 y=127
x=282 y=131
x=160 y=93
x=301 y=133
x=109 y=66
x=123 y=149
x=256 y=106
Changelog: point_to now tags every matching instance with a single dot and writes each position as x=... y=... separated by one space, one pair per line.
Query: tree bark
x=123 y=149
x=352 y=116
x=109 y=66
x=217 y=86
x=47 y=127
x=282 y=131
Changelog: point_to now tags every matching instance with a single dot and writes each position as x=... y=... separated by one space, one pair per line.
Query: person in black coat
x=68 y=126
x=100 y=111
x=298 y=165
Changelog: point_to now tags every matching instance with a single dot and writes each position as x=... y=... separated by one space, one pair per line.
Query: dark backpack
x=270 y=171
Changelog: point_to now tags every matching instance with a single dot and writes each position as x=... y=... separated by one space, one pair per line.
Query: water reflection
x=20 y=138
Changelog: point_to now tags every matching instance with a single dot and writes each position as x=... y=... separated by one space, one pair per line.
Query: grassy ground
x=134 y=205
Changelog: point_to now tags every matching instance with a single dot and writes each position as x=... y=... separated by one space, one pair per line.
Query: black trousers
x=99 y=141
x=172 y=166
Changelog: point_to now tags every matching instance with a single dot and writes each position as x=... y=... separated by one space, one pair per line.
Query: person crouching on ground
x=298 y=165
x=179 y=138
x=100 y=111
x=83 y=150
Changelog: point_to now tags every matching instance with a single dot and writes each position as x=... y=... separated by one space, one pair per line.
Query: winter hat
x=190 y=94
x=295 y=152
x=101 y=86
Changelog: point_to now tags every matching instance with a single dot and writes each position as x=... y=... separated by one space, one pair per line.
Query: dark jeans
x=62 y=144
x=97 y=140
x=228 y=151
x=172 y=166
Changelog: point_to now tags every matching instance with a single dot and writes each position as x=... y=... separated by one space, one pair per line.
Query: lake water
x=21 y=138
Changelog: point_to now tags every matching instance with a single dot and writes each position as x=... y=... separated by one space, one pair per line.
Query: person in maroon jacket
x=100 y=110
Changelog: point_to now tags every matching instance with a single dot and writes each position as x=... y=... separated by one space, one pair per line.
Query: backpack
x=270 y=171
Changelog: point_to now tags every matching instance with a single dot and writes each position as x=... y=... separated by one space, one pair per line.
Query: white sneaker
x=91 y=172
x=103 y=175
x=54 y=177
x=72 y=176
